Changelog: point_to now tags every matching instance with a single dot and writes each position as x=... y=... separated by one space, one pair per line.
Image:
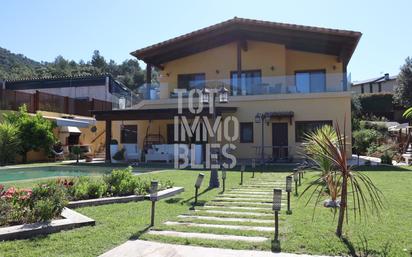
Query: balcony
x=301 y=83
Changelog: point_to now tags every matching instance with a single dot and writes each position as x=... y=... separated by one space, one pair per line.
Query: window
x=304 y=127
x=191 y=81
x=362 y=89
x=246 y=132
x=248 y=84
x=310 y=81
x=128 y=134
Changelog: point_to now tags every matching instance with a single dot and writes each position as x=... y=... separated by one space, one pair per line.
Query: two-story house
x=295 y=75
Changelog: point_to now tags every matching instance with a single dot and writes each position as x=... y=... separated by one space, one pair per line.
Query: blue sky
x=43 y=29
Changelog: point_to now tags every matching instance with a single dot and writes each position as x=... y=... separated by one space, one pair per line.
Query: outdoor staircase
x=240 y=215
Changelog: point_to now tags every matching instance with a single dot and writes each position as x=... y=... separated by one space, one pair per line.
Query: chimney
x=386 y=76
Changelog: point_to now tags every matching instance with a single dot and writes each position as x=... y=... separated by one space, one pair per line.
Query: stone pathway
x=229 y=216
x=139 y=248
x=241 y=215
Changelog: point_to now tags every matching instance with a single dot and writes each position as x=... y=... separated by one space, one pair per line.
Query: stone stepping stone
x=234 y=227
x=240 y=203
x=226 y=219
x=266 y=197
x=228 y=199
x=258 y=214
x=251 y=239
x=237 y=190
x=236 y=207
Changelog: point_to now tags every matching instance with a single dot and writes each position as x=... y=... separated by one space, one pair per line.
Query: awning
x=70 y=129
x=279 y=115
x=73 y=122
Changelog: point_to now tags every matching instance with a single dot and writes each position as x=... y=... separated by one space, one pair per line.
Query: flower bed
x=120 y=182
x=20 y=206
x=45 y=202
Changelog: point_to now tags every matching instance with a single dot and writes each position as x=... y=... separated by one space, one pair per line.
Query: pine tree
x=403 y=92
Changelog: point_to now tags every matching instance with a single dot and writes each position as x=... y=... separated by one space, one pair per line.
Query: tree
x=9 y=143
x=98 y=61
x=403 y=92
x=364 y=194
x=35 y=132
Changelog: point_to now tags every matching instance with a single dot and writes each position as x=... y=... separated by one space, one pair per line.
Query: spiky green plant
x=9 y=142
x=365 y=196
x=408 y=113
x=312 y=148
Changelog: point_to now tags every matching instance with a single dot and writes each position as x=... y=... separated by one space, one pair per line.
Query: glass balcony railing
x=301 y=83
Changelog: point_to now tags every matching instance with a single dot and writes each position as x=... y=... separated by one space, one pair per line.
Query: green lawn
x=115 y=224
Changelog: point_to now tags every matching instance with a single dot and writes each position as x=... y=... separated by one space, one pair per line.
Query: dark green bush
x=364 y=138
x=386 y=158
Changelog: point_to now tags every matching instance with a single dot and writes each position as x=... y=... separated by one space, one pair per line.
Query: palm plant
x=365 y=196
x=408 y=113
x=9 y=142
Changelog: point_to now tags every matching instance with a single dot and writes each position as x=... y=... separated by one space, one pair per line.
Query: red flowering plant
x=15 y=205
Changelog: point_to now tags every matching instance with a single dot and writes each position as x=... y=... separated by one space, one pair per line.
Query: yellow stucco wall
x=306 y=107
x=277 y=64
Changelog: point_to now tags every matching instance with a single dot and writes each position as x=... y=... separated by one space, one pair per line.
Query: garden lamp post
x=242 y=169
x=262 y=118
x=198 y=183
x=223 y=178
x=253 y=167
x=154 y=185
x=289 y=190
x=209 y=97
x=295 y=178
x=277 y=202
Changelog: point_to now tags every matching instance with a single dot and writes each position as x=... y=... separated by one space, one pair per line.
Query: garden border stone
x=105 y=200
x=71 y=219
x=167 y=193
x=124 y=199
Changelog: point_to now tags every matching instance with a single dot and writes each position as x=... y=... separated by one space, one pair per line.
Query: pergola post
x=108 y=139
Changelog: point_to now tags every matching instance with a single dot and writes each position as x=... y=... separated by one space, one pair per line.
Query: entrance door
x=280 y=141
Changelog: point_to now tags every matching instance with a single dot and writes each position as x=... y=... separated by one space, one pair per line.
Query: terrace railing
x=40 y=101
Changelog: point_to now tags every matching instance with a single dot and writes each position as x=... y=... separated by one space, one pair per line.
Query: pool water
x=13 y=174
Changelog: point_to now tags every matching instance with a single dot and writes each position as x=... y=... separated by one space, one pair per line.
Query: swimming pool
x=13 y=174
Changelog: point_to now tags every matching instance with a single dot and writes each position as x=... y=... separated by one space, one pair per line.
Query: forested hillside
x=17 y=66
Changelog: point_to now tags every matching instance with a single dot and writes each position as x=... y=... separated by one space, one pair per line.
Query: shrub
x=47 y=201
x=97 y=188
x=386 y=158
x=81 y=189
x=122 y=182
x=42 y=203
x=364 y=138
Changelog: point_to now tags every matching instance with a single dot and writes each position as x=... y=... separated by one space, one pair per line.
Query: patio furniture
x=133 y=152
x=164 y=152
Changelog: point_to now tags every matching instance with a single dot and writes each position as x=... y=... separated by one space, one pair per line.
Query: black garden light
x=154 y=185
x=253 y=167
x=277 y=204
x=198 y=183
x=296 y=178
x=288 y=190
x=223 y=178
x=242 y=169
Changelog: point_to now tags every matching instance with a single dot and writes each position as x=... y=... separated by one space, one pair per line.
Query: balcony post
x=148 y=79
x=108 y=139
x=345 y=78
x=239 y=62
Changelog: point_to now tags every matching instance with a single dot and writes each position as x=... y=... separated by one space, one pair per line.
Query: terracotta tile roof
x=242 y=21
